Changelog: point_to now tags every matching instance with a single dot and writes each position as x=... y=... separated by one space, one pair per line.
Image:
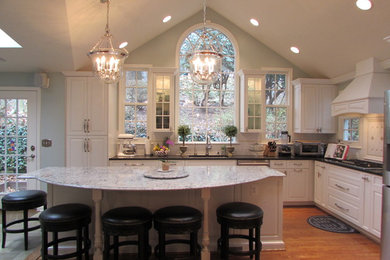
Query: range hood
x=365 y=93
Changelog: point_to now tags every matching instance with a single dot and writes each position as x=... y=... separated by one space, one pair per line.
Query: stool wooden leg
x=224 y=241
x=194 y=243
x=258 y=243
x=141 y=245
x=86 y=242
x=161 y=245
x=55 y=243
x=106 y=250
x=116 y=248
x=79 y=247
x=44 y=245
x=25 y=228
x=251 y=241
x=3 y=217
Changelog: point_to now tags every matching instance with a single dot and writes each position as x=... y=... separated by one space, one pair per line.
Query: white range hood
x=365 y=93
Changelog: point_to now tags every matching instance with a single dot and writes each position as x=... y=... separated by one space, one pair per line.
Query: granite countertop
x=133 y=178
x=253 y=157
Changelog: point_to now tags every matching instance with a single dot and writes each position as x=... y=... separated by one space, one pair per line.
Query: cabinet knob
x=365 y=178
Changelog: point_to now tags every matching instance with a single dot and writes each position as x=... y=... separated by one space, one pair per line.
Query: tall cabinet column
x=86 y=120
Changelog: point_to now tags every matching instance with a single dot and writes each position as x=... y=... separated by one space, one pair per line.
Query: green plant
x=230 y=131
x=183 y=131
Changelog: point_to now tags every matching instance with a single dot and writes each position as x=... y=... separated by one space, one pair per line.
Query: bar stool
x=127 y=221
x=66 y=217
x=17 y=201
x=240 y=215
x=177 y=220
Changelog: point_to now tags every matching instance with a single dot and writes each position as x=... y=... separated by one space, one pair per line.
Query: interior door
x=18 y=138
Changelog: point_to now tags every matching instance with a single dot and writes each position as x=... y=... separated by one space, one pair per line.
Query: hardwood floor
x=306 y=242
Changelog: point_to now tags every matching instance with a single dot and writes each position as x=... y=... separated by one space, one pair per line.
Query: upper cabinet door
x=163 y=99
x=76 y=105
x=312 y=106
x=97 y=107
x=252 y=85
x=86 y=106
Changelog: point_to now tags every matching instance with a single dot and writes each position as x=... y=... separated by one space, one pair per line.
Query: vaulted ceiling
x=332 y=35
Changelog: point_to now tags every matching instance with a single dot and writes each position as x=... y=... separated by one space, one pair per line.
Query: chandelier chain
x=204 y=13
x=108 y=17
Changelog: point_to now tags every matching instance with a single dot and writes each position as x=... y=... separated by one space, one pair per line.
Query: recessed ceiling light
x=7 y=42
x=294 y=49
x=364 y=4
x=254 y=22
x=167 y=19
x=387 y=39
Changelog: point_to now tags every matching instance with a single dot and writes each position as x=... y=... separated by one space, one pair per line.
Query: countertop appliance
x=385 y=231
x=126 y=148
x=309 y=148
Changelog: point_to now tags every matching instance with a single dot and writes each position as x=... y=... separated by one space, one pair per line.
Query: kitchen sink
x=207 y=156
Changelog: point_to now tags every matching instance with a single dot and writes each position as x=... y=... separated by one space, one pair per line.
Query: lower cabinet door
x=297 y=185
x=76 y=155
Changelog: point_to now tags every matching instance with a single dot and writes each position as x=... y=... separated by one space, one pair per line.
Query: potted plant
x=230 y=131
x=183 y=131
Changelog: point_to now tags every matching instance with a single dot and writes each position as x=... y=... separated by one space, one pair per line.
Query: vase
x=183 y=150
x=230 y=150
x=165 y=166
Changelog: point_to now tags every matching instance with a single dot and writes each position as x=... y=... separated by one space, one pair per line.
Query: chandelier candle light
x=106 y=60
x=205 y=61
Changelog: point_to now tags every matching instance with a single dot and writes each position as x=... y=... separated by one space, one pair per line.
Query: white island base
x=205 y=188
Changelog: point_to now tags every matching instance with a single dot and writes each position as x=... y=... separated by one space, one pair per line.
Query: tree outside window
x=351 y=129
x=207 y=108
x=136 y=101
x=276 y=105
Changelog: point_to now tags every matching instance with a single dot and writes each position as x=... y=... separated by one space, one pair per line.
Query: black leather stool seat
x=21 y=200
x=66 y=217
x=177 y=220
x=240 y=215
x=127 y=221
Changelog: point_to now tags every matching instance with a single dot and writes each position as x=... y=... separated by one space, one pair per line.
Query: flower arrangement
x=160 y=150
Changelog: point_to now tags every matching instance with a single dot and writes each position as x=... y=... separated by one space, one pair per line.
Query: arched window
x=207 y=108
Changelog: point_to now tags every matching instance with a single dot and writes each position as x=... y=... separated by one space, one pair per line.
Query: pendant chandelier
x=205 y=60
x=107 y=61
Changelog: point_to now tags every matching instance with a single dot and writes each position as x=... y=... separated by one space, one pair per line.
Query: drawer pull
x=365 y=178
x=297 y=170
x=297 y=164
x=342 y=208
x=341 y=187
x=323 y=167
x=278 y=164
x=318 y=174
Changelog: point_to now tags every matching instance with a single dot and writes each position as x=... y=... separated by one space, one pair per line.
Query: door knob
x=32 y=148
x=32 y=156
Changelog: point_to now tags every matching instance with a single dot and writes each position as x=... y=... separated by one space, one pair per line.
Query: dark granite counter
x=252 y=157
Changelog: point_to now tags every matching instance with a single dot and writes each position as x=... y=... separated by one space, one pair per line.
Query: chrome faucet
x=208 y=146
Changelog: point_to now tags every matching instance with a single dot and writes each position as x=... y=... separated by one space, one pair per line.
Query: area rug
x=331 y=224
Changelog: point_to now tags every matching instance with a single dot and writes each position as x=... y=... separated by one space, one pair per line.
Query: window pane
x=142 y=78
x=141 y=129
x=355 y=123
x=129 y=113
x=130 y=78
x=142 y=95
x=346 y=135
x=355 y=135
x=141 y=113
x=130 y=95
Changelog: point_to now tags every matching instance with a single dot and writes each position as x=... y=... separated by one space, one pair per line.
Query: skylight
x=7 y=42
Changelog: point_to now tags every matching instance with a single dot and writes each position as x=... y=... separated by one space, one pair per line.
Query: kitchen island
x=203 y=187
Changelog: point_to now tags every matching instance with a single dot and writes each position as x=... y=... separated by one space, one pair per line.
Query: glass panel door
x=18 y=135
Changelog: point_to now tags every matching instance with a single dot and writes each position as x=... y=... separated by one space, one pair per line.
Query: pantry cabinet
x=298 y=183
x=252 y=84
x=86 y=120
x=86 y=106
x=312 y=106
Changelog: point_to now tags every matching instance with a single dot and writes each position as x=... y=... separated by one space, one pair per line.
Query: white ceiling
x=332 y=34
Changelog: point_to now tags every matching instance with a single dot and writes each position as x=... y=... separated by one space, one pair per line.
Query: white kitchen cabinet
x=312 y=106
x=355 y=196
x=86 y=106
x=163 y=105
x=298 y=183
x=320 y=184
x=86 y=120
x=85 y=151
x=252 y=84
x=372 y=203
